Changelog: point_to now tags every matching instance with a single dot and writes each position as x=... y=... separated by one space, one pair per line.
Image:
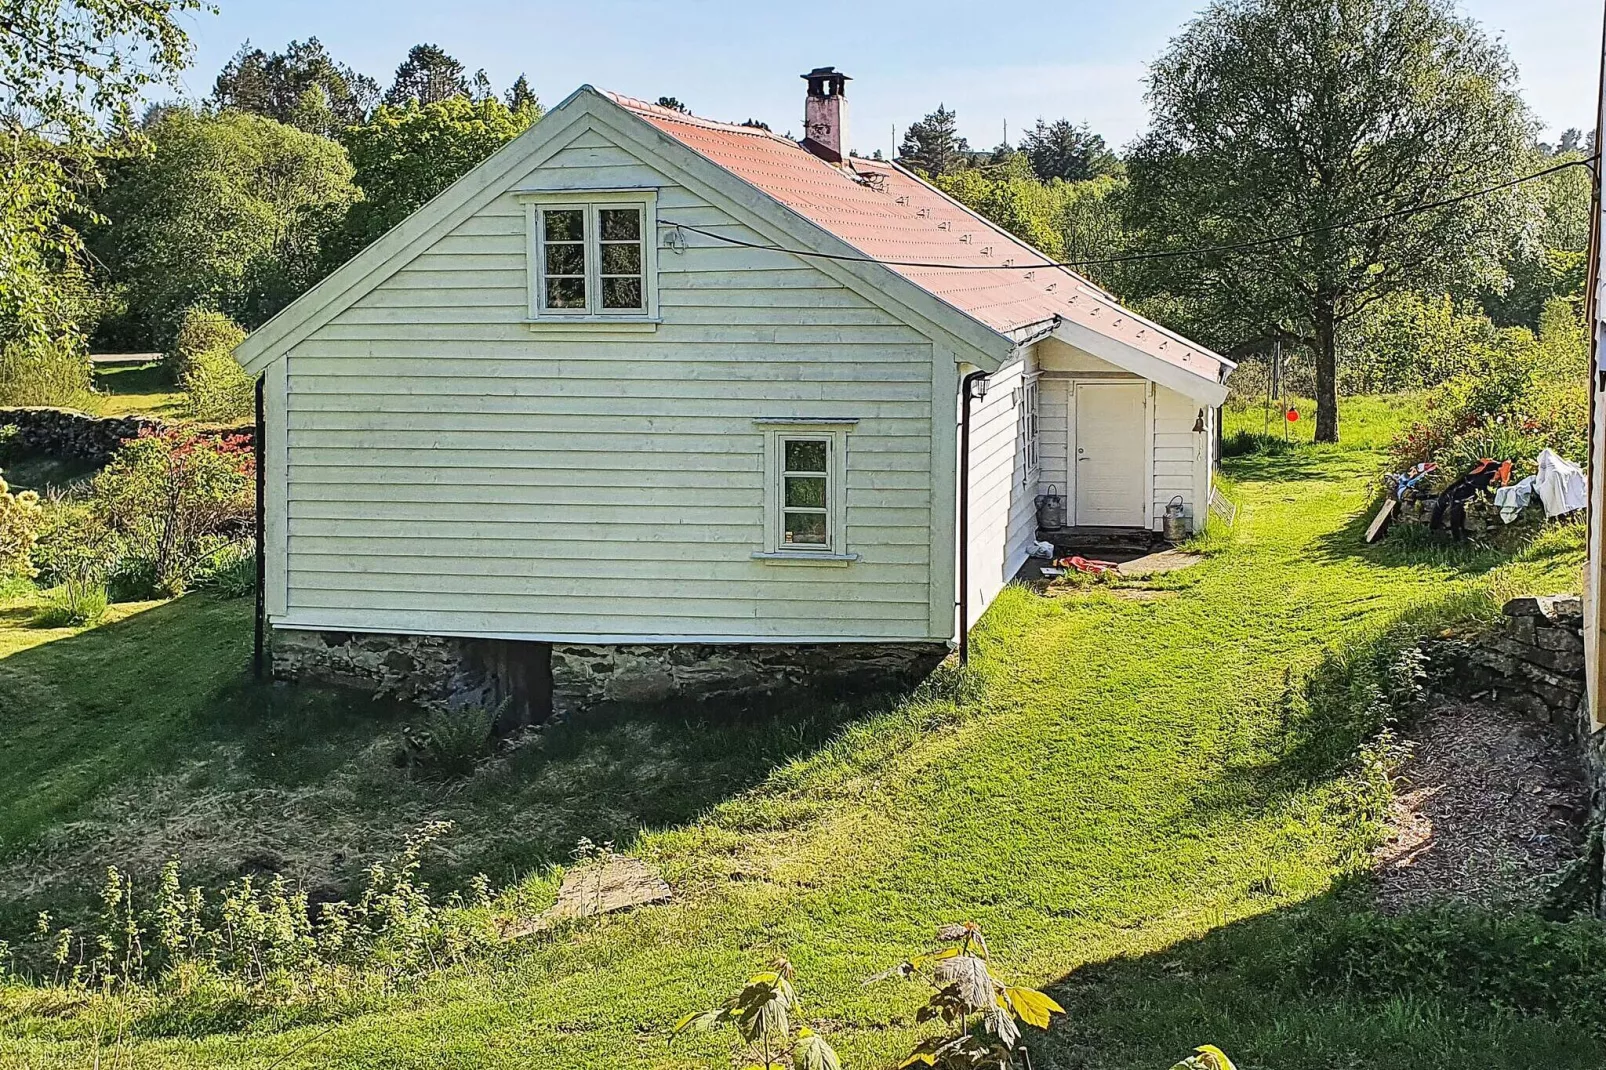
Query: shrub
x=451 y=743
x=170 y=494
x=78 y=601
x=231 y=571
x=265 y=936
x=133 y=579
x=202 y=330
x=1527 y=394
x=214 y=384
x=57 y=374
x=21 y=517
x=981 y=1013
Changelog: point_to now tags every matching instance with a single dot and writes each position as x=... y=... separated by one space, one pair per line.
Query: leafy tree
x=428 y=75
x=1062 y=149
x=520 y=96
x=1296 y=116
x=1547 y=260
x=404 y=156
x=756 y=124
x=933 y=144
x=228 y=212
x=673 y=104
x=480 y=87
x=1063 y=220
x=65 y=65
x=278 y=85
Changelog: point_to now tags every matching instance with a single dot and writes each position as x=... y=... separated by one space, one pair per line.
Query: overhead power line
x=1162 y=254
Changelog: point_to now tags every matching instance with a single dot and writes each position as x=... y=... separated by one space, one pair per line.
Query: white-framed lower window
x=805 y=490
x=592 y=257
x=1028 y=441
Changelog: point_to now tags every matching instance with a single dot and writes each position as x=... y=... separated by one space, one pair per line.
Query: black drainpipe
x=964 y=514
x=257 y=447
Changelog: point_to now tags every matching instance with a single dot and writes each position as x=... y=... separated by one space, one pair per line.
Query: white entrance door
x=1110 y=455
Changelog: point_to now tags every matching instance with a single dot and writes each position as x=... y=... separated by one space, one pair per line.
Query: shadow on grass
x=1417 y=546
x=1329 y=982
x=146 y=737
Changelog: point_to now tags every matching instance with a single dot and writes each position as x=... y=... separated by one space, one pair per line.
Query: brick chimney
x=825 y=114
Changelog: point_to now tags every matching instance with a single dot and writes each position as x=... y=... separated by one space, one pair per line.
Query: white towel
x=1560 y=485
x=1514 y=499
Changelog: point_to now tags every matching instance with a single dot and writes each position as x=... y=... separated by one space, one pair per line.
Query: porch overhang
x=1193 y=382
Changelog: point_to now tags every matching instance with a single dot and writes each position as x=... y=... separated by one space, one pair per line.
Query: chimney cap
x=821 y=77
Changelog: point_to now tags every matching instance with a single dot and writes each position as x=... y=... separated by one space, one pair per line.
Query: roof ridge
x=671 y=114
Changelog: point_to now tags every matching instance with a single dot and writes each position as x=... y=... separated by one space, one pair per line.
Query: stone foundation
x=539 y=679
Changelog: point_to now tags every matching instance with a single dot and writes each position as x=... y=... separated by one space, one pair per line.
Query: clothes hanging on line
x=1515 y=498
x=1560 y=485
x=1453 y=499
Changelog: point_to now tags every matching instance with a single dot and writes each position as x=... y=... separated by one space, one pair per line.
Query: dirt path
x=1489 y=807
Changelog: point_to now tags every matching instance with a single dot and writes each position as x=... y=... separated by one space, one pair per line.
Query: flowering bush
x=175 y=498
x=20 y=520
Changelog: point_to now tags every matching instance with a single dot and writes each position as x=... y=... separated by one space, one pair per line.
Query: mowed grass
x=1128 y=796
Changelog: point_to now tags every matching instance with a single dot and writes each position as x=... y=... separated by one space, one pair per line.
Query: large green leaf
x=813 y=1053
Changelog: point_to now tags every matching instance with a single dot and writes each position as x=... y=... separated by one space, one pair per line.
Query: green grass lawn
x=1149 y=806
x=146 y=389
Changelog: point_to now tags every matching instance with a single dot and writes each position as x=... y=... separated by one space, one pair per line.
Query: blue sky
x=728 y=60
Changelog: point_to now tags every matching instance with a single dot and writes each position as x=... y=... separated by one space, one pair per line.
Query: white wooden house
x=664 y=401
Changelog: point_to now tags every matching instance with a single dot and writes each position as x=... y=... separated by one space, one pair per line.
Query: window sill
x=598 y=324
x=804 y=557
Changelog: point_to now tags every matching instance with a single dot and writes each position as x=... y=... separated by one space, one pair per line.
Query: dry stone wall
x=1532 y=661
x=68 y=433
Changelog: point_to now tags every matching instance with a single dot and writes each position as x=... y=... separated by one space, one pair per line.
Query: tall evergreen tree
x=1062 y=149
x=428 y=75
x=275 y=84
x=520 y=96
x=933 y=144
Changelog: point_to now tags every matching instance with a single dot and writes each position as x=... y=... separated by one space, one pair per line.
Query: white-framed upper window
x=1028 y=442
x=592 y=256
x=805 y=490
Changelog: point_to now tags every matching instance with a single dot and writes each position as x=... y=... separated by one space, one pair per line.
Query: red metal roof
x=892 y=216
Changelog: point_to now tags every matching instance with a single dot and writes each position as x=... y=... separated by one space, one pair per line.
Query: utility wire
x=1157 y=255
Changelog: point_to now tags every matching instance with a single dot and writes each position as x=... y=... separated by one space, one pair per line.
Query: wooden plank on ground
x=1381 y=520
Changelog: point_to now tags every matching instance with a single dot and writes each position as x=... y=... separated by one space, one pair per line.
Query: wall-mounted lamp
x=1199 y=424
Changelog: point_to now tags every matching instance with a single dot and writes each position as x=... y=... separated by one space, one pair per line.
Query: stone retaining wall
x=539 y=679
x=68 y=433
x=1533 y=661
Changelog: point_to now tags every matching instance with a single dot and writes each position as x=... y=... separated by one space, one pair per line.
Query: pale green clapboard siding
x=1002 y=520
x=451 y=470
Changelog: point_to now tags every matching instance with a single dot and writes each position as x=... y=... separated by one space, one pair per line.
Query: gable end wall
x=448 y=470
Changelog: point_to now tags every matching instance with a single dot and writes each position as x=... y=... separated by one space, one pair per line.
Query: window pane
x=620 y=224
x=805 y=456
x=807 y=491
x=565 y=260
x=621 y=259
x=805 y=528
x=621 y=293
x=566 y=293
x=567 y=224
